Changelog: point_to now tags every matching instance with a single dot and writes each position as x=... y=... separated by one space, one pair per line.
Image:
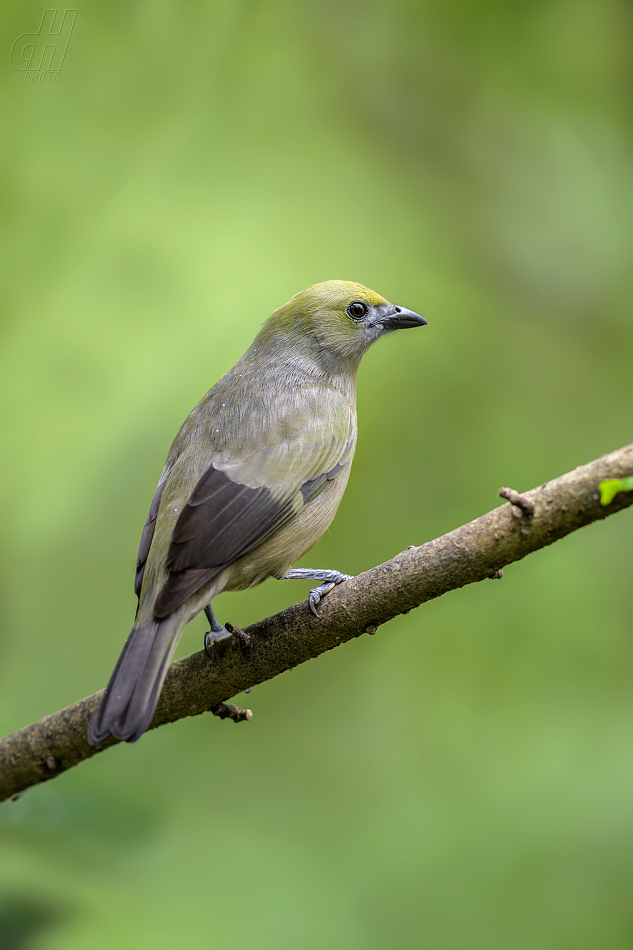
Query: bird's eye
x=357 y=310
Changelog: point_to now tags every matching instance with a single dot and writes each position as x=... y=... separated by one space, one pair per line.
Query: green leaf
x=612 y=486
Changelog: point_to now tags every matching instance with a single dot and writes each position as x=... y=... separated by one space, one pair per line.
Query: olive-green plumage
x=251 y=482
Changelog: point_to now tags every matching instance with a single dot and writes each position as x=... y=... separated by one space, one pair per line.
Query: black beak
x=401 y=318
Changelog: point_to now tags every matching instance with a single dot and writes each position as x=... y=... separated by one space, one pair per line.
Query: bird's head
x=336 y=320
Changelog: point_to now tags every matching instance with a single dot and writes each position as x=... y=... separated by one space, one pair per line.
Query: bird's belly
x=276 y=556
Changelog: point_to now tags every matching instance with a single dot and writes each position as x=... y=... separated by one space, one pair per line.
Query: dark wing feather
x=222 y=522
x=147 y=536
x=311 y=489
x=180 y=586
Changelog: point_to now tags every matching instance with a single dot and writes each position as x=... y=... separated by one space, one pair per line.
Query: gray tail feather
x=129 y=702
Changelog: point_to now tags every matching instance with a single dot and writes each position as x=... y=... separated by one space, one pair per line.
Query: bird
x=252 y=480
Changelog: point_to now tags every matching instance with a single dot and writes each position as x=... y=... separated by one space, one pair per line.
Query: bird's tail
x=128 y=704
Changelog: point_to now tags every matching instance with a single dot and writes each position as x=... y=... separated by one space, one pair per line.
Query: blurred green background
x=465 y=778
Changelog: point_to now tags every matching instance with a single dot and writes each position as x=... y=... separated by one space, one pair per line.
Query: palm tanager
x=251 y=482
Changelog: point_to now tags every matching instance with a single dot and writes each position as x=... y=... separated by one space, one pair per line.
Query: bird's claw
x=329 y=580
x=318 y=592
x=217 y=631
x=214 y=636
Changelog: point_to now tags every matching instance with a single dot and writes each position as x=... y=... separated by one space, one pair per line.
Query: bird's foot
x=216 y=633
x=317 y=593
x=214 y=636
x=330 y=579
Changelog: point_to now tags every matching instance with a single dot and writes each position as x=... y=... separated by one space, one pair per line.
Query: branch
x=194 y=685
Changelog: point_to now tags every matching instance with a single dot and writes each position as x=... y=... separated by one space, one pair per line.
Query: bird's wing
x=235 y=508
x=147 y=536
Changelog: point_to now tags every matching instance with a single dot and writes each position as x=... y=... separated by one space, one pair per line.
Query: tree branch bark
x=474 y=552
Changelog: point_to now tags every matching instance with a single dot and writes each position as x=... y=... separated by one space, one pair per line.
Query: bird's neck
x=294 y=367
